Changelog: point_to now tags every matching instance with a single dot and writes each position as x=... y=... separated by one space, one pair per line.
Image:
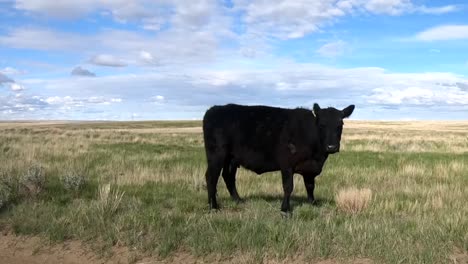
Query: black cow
x=264 y=139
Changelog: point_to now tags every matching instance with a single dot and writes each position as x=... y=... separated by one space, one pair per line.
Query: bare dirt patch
x=459 y=256
x=34 y=250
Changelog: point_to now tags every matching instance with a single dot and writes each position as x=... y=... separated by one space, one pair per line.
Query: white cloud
x=69 y=101
x=190 y=32
x=152 y=14
x=294 y=19
x=391 y=7
x=287 y=19
x=445 y=32
x=8 y=82
x=10 y=71
x=158 y=99
x=248 y=52
x=437 y=10
x=16 y=87
x=5 y=79
x=79 y=71
x=332 y=49
x=284 y=19
x=58 y=100
x=419 y=96
x=169 y=47
x=120 y=9
x=18 y=105
x=41 y=39
x=102 y=100
x=147 y=57
x=288 y=85
x=195 y=15
x=28 y=106
x=154 y=23
x=107 y=60
x=125 y=10
x=60 y=9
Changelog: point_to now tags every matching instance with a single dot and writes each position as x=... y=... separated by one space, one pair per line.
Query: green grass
x=418 y=213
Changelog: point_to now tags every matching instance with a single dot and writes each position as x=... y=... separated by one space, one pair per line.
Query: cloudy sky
x=172 y=59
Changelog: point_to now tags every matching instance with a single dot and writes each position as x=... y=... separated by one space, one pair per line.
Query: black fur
x=264 y=139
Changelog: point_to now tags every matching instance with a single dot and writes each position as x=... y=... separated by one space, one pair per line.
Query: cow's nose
x=332 y=148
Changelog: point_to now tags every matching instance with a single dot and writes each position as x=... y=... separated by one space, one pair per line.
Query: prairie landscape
x=396 y=193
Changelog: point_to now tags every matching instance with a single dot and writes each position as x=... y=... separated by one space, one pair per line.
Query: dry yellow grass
x=30 y=142
x=460 y=126
x=353 y=200
x=413 y=169
x=410 y=136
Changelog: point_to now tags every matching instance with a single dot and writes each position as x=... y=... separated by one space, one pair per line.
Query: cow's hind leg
x=212 y=175
x=229 y=176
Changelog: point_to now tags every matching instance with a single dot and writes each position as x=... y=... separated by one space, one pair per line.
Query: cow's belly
x=256 y=162
x=309 y=167
x=260 y=169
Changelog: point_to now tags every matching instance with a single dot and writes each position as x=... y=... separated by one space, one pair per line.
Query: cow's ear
x=348 y=111
x=316 y=109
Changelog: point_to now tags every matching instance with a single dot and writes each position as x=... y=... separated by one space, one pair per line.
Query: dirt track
x=33 y=250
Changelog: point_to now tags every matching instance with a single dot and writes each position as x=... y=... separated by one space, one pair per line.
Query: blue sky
x=161 y=59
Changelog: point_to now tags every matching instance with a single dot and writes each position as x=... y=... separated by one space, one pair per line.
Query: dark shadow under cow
x=264 y=139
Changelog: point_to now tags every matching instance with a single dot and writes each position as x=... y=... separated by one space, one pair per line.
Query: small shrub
x=353 y=200
x=8 y=188
x=34 y=180
x=74 y=181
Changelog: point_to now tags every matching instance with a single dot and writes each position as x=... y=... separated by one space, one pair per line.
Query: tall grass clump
x=109 y=200
x=353 y=200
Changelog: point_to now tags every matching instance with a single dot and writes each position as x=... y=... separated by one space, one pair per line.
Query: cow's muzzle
x=333 y=148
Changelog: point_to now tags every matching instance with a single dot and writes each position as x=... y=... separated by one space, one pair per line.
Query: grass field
x=141 y=185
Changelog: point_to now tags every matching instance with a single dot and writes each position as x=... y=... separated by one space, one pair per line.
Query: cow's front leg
x=288 y=186
x=309 y=181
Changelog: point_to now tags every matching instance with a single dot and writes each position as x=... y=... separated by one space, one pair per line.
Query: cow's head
x=330 y=124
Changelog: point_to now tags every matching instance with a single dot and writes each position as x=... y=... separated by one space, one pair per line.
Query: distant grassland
x=145 y=189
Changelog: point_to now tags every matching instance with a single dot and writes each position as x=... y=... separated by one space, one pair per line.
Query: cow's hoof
x=286 y=215
x=214 y=207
